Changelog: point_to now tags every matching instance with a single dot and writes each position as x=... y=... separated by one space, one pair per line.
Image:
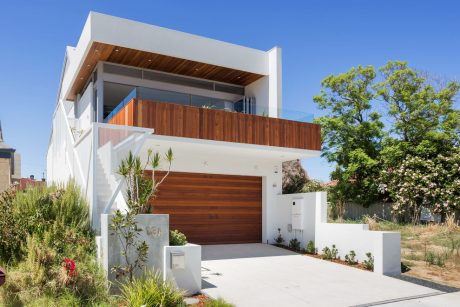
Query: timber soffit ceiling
x=142 y=59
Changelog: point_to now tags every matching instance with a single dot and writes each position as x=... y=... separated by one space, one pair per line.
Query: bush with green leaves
x=59 y=211
x=311 y=249
x=369 y=262
x=438 y=259
x=330 y=253
x=295 y=185
x=177 y=238
x=151 y=290
x=294 y=244
x=220 y=302
x=58 y=255
x=279 y=238
x=12 y=232
x=313 y=185
x=350 y=258
x=326 y=253
x=418 y=182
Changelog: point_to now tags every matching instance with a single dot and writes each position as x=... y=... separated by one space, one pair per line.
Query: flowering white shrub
x=431 y=183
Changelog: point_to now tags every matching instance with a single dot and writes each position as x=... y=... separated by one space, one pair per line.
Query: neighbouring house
x=24 y=183
x=10 y=164
x=129 y=86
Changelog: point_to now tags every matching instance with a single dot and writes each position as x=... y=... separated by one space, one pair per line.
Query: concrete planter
x=182 y=266
x=155 y=232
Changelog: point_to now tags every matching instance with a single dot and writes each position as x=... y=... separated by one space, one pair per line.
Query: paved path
x=263 y=275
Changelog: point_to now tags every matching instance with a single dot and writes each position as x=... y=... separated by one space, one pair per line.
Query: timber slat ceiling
x=142 y=59
x=210 y=208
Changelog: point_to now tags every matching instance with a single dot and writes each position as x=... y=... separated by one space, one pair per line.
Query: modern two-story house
x=129 y=86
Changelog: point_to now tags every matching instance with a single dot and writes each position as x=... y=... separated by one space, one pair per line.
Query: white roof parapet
x=145 y=37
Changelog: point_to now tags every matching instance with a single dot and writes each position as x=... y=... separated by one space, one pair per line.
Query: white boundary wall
x=384 y=245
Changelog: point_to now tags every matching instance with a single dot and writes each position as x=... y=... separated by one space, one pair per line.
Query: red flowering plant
x=70 y=267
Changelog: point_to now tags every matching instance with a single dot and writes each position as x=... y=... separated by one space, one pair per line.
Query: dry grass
x=431 y=251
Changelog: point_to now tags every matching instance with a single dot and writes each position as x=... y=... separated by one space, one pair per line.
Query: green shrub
x=151 y=290
x=12 y=232
x=220 y=302
x=369 y=263
x=60 y=213
x=56 y=229
x=177 y=238
x=438 y=259
x=294 y=244
x=430 y=257
x=313 y=185
x=311 y=249
x=326 y=253
x=295 y=184
x=43 y=273
x=330 y=253
x=334 y=252
x=42 y=208
x=350 y=258
x=279 y=239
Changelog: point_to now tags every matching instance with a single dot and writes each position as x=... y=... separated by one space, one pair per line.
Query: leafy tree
x=351 y=134
x=424 y=131
x=424 y=120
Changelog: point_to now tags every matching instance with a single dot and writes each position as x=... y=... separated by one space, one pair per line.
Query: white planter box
x=182 y=265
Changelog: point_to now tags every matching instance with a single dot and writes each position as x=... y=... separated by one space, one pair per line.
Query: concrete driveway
x=264 y=275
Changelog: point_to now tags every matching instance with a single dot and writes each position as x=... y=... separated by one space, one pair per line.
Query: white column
x=100 y=94
x=275 y=85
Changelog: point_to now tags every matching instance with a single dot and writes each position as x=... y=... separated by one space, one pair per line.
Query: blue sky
x=318 y=38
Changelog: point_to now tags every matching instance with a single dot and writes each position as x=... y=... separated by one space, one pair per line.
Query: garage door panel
x=210 y=208
x=227 y=185
x=210 y=211
x=207 y=198
x=205 y=203
x=217 y=219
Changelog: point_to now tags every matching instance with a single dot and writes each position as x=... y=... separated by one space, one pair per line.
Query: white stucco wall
x=282 y=218
x=187 y=278
x=383 y=245
x=275 y=82
x=136 y=35
x=84 y=110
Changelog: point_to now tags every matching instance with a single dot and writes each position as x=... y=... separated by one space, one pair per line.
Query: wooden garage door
x=212 y=209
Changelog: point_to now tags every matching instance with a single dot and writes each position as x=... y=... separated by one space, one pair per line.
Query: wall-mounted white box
x=297 y=212
x=177 y=260
x=186 y=275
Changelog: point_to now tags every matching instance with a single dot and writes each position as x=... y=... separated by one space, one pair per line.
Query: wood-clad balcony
x=177 y=120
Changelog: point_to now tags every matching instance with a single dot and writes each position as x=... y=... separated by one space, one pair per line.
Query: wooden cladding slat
x=210 y=208
x=199 y=123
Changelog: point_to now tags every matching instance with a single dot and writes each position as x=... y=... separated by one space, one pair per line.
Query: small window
x=219 y=87
x=167 y=78
x=122 y=71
